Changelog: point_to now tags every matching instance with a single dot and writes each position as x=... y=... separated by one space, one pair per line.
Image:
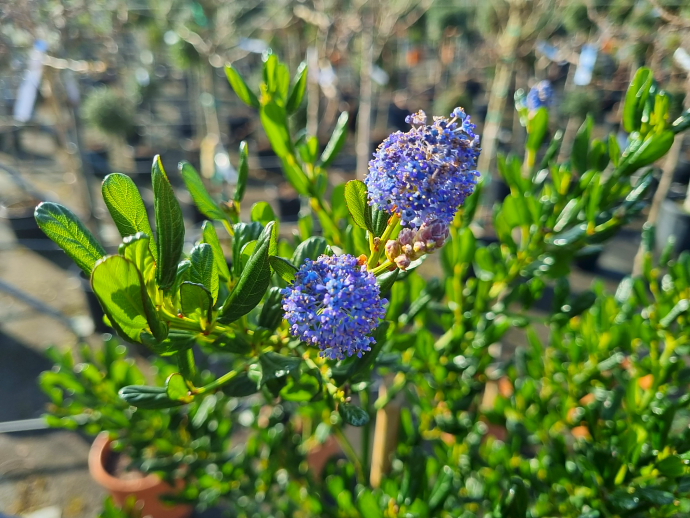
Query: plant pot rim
x=99 y=453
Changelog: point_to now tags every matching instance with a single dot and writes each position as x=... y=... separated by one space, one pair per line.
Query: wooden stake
x=385 y=438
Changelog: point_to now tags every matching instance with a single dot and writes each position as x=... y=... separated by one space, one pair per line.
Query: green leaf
x=537 y=128
x=635 y=98
x=581 y=145
x=203 y=270
x=202 y=199
x=272 y=311
x=241 y=385
x=516 y=500
x=270 y=71
x=387 y=280
x=242 y=172
x=136 y=249
x=176 y=341
x=284 y=268
x=195 y=298
x=149 y=398
x=274 y=365
x=379 y=221
x=358 y=204
x=121 y=291
x=244 y=233
x=247 y=251
x=301 y=388
x=308 y=149
x=275 y=124
x=209 y=235
x=62 y=226
x=169 y=225
x=441 y=488
x=614 y=150
x=253 y=282
x=126 y=207
x=653 y=148
x=263 y=212
x=368 y=505
x=336 y=142
x=298 y=89
x=672 y=466
x=338 y=203
x=177 y=389
x=240 y=87
x=353 y=415
x=312 y=248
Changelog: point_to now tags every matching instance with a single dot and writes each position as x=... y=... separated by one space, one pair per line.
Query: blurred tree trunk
x=509 y=42
x=574 y=121
x=365 y=93
x=669 y=167
x=313 y=92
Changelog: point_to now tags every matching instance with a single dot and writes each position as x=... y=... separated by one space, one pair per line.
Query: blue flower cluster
x=426 y=173
x=540 y=96
x=334 y=303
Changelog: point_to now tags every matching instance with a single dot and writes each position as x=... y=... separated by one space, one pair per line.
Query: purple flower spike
x=426 y=173
x=334 y=303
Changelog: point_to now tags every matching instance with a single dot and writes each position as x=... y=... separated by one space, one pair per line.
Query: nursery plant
x=327 y=327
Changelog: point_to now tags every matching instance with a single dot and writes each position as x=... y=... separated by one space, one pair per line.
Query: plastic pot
x=95 y=308
x=146 y=489
x=673 y=221
x=20 y=217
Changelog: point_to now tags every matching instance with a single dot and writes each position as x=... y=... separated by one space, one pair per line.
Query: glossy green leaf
x=653 y=148
x=244 y=233
x=274 y=365
x=242 y=172
x=240 y=87
x=635 y=98
x=241 y=385
x=136 y=248
x=338 y=203
x=62 y=226
x=441 y=488
x=579 y=157
x=358 y=204
x=336 y=142
x=149 y=398
x=120 y=289
x=353 y=414
x=247 y=251
x=272 y=311
x=195 y=298
x=169 y=226
x=284 y=268
x=311 y=248
x=368 y=505
x=537 y=128
x=301 y=388
x=672 y=466
x=202 y=199
x=299 y=88
x=516 y=500
x=204 y=270
x=263 y=212
x=275 y=124
x=126 y=207
x=253 y=282
x=209 y=236
x=386 y=280
x=177 y=389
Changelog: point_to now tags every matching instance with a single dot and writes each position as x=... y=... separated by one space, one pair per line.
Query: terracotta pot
x=146 y=489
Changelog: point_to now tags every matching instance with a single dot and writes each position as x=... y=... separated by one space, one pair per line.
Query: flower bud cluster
x=412 y=244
